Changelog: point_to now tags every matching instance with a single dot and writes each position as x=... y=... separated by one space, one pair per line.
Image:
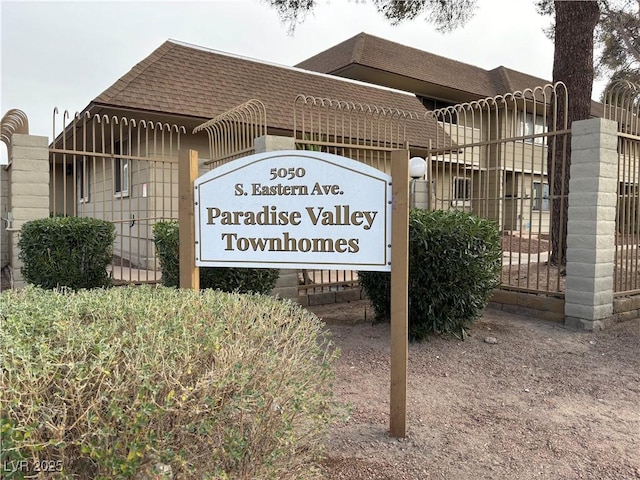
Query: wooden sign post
x=187 y=174
x=302 y=209
x=399 y=291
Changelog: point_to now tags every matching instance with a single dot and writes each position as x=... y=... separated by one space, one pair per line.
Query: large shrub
x=454 y=264
x=67 y=252
x=241 y=280
x=113 y=383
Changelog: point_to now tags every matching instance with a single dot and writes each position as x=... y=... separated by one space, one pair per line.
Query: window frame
x=121 y=171
x=528 y=124
x=538 y=202
x=83 y=181
x=456 y=199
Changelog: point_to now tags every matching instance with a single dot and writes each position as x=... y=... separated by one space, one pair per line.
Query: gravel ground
x=524 y=244
x=541 y=402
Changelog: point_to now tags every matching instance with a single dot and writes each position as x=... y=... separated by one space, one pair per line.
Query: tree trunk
x=572 y=65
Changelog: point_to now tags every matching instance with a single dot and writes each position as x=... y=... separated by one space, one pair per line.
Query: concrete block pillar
x=287 y=285
x=28 y=191
x=4 y=211
x=419 y=194
x=270 y=143
x=591 y=224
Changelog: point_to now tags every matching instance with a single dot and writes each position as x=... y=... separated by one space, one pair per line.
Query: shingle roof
x=186 y=80
x=424 y=70
x=506 y=80
x=384 y=55
x=388 y=56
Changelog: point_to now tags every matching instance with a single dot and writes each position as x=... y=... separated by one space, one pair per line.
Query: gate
x=122 y=170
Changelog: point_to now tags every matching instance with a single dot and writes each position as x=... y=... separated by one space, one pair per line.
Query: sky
x=64 y=54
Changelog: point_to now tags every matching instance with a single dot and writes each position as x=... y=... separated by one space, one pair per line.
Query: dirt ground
x=542 y=402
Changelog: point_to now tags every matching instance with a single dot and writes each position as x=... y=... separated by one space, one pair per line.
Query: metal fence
x=496 y=157
x=503 y=168
x=491 y=157
x=362 y=132
x=366 y=133
x=622 y=104
x=232 y=133
x=121 y=170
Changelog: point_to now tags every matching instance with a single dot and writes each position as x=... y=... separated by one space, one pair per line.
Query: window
x=82 y=180
x=433 y=104
x=531 y=124
x=627 y=189
x=461 y=191
x=541 y=196
x=627 y=147
x=121 y=175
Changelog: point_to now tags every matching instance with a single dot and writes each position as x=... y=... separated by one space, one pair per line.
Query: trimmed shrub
x=67 y=252
x=116 y=383
x=241 y=280
x=454 y=264
x=165 y=238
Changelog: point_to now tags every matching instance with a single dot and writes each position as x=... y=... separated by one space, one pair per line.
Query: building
x=117 y=159
x=515 y=171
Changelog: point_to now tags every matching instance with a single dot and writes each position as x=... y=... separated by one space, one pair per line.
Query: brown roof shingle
x=186 y=80
x=423 y=71
x=384 y=55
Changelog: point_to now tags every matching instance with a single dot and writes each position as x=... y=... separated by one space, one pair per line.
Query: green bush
x=241 y=280
x=454 y=264
x=67 y=252
x=114 y=383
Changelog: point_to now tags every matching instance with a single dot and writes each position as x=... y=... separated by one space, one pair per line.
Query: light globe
x=417 y=167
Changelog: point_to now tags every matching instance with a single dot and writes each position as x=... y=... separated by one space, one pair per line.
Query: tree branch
x=623 y=34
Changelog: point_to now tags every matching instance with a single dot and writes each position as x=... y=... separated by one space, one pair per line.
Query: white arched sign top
x=294 y=209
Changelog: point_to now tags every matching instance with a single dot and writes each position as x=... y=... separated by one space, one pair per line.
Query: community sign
x=294 y=209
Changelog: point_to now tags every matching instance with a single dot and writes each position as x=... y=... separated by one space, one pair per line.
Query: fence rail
x=622 y=104
x=122 y=170
x=504 y=168
x=232 y=133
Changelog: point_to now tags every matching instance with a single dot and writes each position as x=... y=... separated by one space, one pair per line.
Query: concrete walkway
x=515 y=258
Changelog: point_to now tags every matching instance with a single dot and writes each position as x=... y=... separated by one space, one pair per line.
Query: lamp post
x=417 y=169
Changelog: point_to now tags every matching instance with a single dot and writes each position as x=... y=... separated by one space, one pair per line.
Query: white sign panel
x=294 y=209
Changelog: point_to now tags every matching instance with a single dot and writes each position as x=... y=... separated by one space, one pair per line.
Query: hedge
x=242 y=280
x=114 y=383
x=454 y=265
x=68 y=252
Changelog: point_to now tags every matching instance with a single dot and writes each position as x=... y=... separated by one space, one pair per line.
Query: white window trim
x=460 y=202
x=84 y=180
x=124 y=179
x=538 y=125
x=540 y=200
x=121 y=168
